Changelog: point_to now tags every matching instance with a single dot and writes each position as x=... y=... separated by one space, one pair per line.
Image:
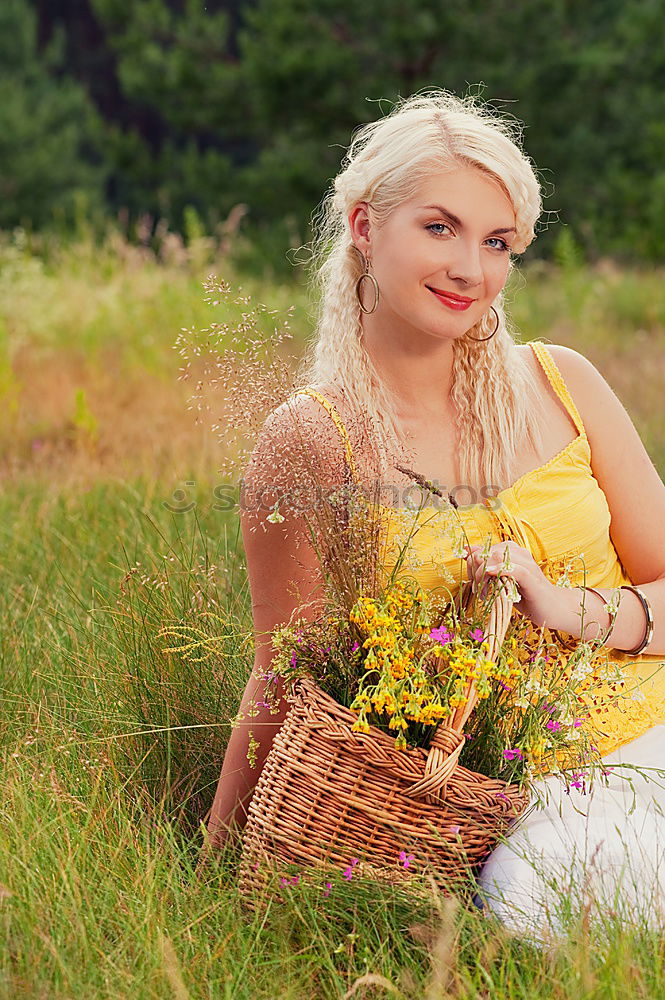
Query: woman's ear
x=359 y=225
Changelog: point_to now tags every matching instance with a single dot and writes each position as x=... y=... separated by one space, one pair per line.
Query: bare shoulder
x=297 y=446
x=621 y=465
x=590 y=391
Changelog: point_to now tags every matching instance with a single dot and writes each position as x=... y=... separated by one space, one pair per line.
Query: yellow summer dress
x=560 y=514
x=605 y=847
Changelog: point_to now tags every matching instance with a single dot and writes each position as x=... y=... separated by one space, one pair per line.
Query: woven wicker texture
x=327 y=795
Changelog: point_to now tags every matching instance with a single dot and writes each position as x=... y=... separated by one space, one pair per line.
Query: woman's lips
x=459 y=304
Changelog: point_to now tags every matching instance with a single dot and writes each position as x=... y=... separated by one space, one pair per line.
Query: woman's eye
x=436 y=227
x=503 y=246
x=442 y=225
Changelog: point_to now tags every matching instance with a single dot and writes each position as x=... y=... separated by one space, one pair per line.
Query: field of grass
x=110 y=745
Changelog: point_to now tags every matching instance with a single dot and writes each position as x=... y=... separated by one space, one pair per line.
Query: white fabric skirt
x=601 y=852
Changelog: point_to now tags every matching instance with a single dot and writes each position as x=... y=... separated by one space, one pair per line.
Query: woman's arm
x=635 y=495
x=237 y=780
x=285 y=576
x=636 y=498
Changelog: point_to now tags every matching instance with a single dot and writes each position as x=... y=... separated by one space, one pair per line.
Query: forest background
x=184 y=109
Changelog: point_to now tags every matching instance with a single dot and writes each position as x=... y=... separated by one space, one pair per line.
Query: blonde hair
x=495 y=395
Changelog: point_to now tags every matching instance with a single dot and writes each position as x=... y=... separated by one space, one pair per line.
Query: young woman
x=417 y=239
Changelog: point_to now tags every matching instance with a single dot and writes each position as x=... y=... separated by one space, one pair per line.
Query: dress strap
x=555 y=378
x=339 y=424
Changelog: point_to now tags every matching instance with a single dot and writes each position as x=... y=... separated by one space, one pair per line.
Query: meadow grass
x=110 y=745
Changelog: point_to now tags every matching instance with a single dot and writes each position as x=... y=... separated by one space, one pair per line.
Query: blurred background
x=175 y=113
x=146 y=144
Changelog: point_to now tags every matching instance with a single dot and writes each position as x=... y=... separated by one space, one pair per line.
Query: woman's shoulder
x=572 y=364
x=304 y=414
x=575 y=372
x=296 y=436
x=593 y=395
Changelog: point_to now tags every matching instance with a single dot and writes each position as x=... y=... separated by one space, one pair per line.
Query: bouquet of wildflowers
x=405 y=663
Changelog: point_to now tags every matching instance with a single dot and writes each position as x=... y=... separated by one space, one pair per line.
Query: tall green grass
x=110 y=745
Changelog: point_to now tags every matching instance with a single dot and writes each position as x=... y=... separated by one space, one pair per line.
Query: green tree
x=180 y=62
x=50 y=135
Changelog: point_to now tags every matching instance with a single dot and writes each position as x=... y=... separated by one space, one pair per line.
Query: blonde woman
x=417 y=238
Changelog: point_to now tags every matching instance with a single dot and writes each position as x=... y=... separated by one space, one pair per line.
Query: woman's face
x=453 y=235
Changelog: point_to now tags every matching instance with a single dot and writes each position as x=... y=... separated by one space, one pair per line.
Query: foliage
x=217 y=104
x=50 y=138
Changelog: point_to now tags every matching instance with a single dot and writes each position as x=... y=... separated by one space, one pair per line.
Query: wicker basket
x=328 y=795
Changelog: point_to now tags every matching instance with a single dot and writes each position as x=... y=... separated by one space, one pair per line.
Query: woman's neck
x=416 y=368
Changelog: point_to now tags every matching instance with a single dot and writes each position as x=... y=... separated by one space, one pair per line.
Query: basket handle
x=447 y=742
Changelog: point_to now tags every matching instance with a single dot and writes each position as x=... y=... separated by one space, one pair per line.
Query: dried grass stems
x=281 y=449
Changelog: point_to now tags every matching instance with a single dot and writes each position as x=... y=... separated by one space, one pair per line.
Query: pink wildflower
x=553 y=724
x=328 y=888
x=577 y=722
x=512 y=754
x=454 y=829
x=441 y=635
x=405 y=858
x=289 y=881
x=348 y=873
x=477 y=634
x=355 y=646
x=294 y=659
x=500 y=795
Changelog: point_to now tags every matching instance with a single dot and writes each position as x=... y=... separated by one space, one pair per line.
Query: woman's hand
x=540 y=598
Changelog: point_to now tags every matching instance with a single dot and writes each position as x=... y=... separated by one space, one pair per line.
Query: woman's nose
x=465 y=264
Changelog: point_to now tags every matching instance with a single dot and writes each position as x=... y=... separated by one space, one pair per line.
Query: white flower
x=613 y=604
x=507 y=563
x=275 y=517
x=458 y=550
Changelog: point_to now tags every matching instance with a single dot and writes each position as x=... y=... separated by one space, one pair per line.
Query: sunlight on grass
x=111 y=745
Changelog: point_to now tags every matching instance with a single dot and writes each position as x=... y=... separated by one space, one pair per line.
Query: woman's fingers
x=492 y=565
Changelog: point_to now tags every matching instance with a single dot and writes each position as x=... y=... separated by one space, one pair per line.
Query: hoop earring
x=375 y=286
x=493 y=331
